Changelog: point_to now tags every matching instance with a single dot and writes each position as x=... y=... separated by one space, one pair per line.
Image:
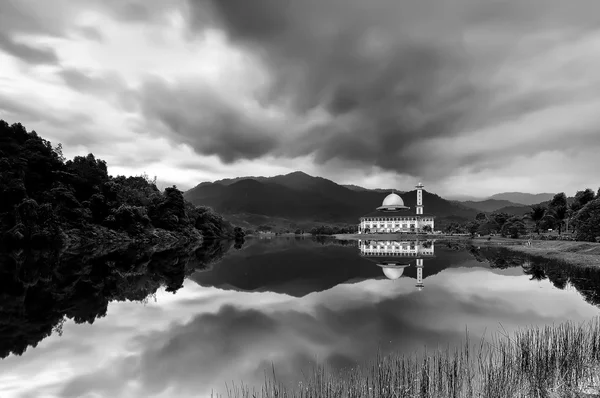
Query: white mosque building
x=393 y=216
x=394 y=256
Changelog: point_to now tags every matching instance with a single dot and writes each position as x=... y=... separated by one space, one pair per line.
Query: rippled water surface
x=141 y=323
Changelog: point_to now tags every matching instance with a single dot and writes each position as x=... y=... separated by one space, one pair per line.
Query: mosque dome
x=393 y=200
x=393 y=272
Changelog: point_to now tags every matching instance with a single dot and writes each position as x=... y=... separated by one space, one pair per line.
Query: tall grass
x=542 y=362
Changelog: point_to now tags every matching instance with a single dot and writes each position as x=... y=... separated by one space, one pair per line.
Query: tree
x=536 y=214
x=513 y=227
x=472 y=227
x=501 y=218
x=480 y=217
x=582 y=198
x=427 y=229
x=559 y=200
x=587 y=222
x=557 y=210
x=487 y=227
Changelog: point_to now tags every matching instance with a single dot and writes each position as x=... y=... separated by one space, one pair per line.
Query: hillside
x=515 y=210
x=362 y=189
x=299 y=197
x=523 y=198
x=491 y=205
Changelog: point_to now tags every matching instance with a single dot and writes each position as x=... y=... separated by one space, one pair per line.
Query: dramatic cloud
x=378 y=92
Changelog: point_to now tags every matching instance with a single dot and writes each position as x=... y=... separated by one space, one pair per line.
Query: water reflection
x=283 y=301
x=40 y=290
x=586 y=280
x=394 y=256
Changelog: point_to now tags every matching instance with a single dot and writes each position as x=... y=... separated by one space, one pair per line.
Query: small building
x=394 y=217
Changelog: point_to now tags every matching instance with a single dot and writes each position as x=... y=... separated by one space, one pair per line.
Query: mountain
x=464 y=198
x=300 y=197
x=361 y=189
x=522 y=210
x=491 y=205
x=516 y=210
x=523 y=198
x=355 y=187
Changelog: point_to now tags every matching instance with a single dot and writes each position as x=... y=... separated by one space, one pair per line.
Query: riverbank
x=553 y=361
x=575 y=253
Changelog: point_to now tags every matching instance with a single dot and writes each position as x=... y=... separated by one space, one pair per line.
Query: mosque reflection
x=395 y=256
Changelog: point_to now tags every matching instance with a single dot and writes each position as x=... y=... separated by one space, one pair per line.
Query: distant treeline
x=316 y=230
x=581 y=218
x=45 y=198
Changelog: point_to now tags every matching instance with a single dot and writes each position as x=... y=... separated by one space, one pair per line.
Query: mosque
x=393 y=217
x=394 y=256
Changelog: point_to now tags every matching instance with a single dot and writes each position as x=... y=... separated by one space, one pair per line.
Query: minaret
x=419 y=284
x=419 y=187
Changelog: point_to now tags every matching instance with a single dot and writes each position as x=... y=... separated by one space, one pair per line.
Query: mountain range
x=527 y=199
x=300 y=199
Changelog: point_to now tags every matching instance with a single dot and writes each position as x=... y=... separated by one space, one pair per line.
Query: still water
x=183 y=323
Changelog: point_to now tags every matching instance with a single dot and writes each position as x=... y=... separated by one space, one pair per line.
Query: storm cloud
x=368 y=92
x=380 y=83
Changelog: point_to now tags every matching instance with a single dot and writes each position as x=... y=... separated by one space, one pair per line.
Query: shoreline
x=585 y=254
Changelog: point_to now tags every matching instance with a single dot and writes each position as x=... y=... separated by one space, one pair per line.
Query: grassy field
x=546 y=362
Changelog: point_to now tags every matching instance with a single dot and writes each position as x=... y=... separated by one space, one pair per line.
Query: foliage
x=557 y=211
x=480 y=217
x=472 y=227
x=500 y=218
x=42 y=196
x=582 y=198
x=455 y=228
x=537 y=214
x=514 y=228
x=488 y=227
x=333 y=230
x=588 y=221
x=213 y=225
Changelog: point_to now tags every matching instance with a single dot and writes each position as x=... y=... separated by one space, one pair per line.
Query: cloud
x=26 y=52
x=198 y=115
x=91 y=33
x=379 y=92
x=384 y=85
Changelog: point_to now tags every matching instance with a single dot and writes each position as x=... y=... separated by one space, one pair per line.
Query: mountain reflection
x=39 y=290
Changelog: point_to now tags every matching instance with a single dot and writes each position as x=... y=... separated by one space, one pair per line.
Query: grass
x=542 y=362
x=574 y=253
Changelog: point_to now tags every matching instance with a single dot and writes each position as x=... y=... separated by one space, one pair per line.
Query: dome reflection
x=393 y=256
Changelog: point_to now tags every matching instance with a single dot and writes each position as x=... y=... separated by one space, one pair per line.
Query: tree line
x=44 y=197
x=579 y=216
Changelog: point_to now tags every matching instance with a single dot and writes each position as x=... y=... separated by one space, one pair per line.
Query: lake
x=182 y=323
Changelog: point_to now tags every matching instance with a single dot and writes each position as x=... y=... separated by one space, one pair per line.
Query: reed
x=541 y=362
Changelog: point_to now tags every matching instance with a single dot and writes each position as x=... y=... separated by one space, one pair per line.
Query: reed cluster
x=543 y=362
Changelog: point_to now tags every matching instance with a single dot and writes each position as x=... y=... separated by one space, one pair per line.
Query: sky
x=471 y=97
